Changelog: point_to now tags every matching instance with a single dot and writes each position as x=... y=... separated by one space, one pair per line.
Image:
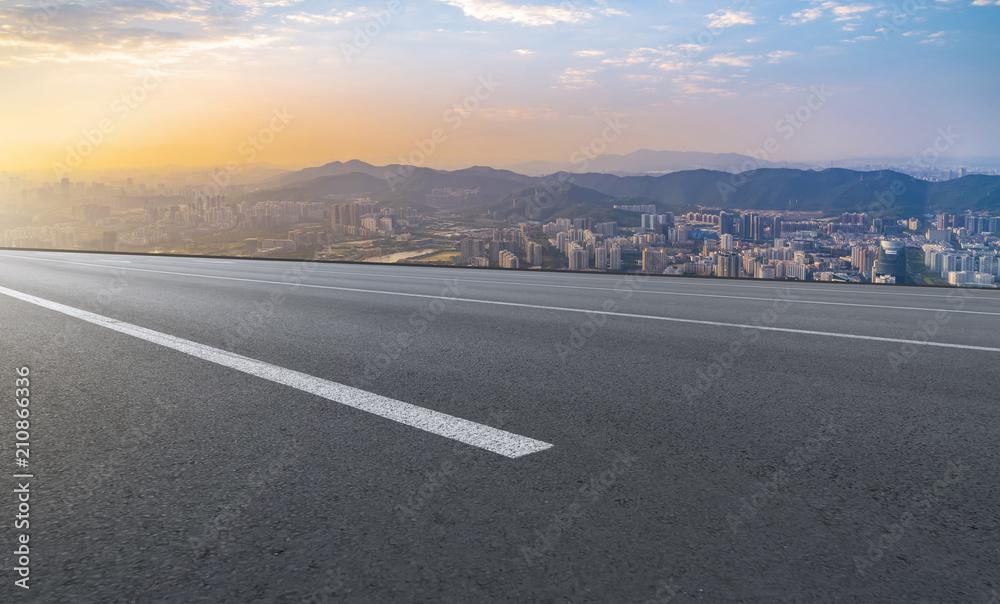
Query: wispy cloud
x=577 y=78
x=136 y=32
x=524 y=14
x=935 y=38
x=803 y=16
x=850 y=11
x=780 y=55
x=732 y=60
x=729 y=18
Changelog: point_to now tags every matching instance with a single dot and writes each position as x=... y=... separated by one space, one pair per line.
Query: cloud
x=524 y=14
x=780 y=55
x=610 y=12
x=577 y=78
x=523 y=51
x=803 y=16
x=659 y=58
x=732 y=60
x=850 y=11
x=135 y=31
x=310 y=19
x=935 y=38
x=986 y=3
x=728 y=18
x=589 y=53
x=698 y=85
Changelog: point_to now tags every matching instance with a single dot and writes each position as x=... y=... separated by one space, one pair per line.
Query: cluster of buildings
x=448 y=197
x=962 y=249
x=970 y=268
x=506 y=248
x=361 y=218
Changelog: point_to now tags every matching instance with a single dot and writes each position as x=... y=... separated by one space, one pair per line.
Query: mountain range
x=831 y=191
x=648 y=162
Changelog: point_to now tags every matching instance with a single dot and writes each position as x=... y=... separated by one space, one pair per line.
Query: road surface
x=208 y=430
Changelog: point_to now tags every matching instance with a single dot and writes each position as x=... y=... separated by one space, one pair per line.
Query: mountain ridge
x=832 y=190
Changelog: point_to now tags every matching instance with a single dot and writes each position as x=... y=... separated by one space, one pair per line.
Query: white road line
x=663 y=293
x=545 y=285
x=816 y=288
x=498 y=441
x=576 y=310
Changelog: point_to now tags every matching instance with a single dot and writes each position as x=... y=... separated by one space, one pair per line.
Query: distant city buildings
x=956 y=248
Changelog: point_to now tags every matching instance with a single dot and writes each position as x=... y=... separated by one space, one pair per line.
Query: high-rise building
x=727 y=224
x=616 y=257
x=862 y=259
x=891 y=261
x=607 y=229
x=579 y=257
x=745 y=226
x=654 y=260
x=728 y=264
x=507 y=260
x=601 y=258
x=726 y=242
x=533 y=253
x=109 y=241
x=776 y=227
x=561 y=240
x=751 y=228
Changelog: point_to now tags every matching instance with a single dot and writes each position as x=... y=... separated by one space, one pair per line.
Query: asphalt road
x=701 y=440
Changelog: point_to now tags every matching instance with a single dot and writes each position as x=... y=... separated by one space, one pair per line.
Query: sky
x=118 y=84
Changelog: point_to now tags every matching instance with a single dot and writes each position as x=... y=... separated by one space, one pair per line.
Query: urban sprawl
x=960 y=249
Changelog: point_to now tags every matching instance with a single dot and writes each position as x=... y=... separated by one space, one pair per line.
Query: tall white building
x=579 y=258
x=601 y=258
x=616 y=257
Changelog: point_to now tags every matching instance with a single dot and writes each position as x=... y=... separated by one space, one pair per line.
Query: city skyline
x=143 y=84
